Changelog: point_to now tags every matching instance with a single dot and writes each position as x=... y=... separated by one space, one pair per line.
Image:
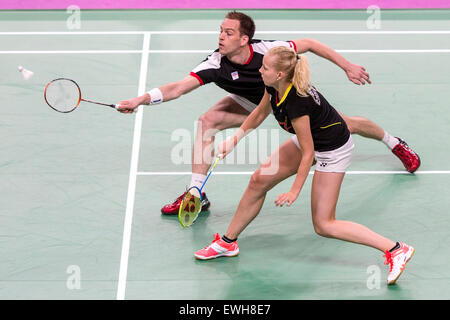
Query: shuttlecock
x=27 y=74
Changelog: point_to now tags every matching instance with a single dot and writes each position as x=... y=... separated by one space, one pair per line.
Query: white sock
x=197 y=180
x=390 y=141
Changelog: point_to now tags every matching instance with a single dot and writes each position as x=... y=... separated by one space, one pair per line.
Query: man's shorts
x=244 y=103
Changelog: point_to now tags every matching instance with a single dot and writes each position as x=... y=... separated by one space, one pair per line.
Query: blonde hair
x=295 y=66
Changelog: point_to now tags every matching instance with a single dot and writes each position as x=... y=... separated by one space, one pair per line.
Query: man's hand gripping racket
x=129 y=106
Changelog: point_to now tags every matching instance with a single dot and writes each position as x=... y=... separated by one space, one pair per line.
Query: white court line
x=183 y=173
x=194 y=32
x=343 y=32
x=133 y=174
x=395 y=51
x=210 y=51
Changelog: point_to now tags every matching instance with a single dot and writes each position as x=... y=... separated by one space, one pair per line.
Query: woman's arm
x=252 y=122
x=304 y=136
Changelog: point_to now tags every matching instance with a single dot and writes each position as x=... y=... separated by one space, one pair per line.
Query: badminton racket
x=64 y=95
x=191 y=205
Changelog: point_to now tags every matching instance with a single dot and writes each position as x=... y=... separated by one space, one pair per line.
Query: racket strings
x=190 y=207
x=63 y=95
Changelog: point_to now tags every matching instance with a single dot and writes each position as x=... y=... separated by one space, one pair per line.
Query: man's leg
x=366 y=128
x=226 y=113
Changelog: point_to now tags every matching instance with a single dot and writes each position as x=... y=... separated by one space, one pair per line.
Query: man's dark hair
x=247 y=26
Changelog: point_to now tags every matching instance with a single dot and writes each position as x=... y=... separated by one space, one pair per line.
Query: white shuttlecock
x=27 y=74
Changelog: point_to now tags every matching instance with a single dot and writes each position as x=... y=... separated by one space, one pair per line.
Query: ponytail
x=301 y=78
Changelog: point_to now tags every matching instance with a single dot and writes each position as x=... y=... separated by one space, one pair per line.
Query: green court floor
x=81 y=193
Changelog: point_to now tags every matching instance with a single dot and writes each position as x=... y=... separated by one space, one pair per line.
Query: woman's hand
x=227 y=146
x=288 y=198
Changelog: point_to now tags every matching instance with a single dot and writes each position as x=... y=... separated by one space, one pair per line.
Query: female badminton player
x=319 y=134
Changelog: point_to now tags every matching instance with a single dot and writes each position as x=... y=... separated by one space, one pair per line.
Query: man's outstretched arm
x=355 y=73
x=169 y=91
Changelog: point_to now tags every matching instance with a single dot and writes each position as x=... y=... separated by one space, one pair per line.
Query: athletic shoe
x=407 y=156
x=173 y=208
x=397 y=261
x=218 y=248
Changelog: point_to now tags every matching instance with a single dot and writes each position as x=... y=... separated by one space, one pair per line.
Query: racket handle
x=210 y=171
x=116 y=106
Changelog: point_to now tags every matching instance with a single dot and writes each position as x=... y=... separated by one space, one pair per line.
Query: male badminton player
x=234 y=67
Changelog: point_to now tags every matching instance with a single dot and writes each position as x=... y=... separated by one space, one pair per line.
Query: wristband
x=155 y=96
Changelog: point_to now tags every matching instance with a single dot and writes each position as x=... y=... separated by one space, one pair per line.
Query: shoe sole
x=206 y=207
x=393 y=281
x=230 y=254
x=169 y=213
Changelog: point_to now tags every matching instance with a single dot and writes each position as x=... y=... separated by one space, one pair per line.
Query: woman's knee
x=259 y=181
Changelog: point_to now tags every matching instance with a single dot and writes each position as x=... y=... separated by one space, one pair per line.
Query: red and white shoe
x=173 y=208
x=397 y=261
x=218 y=248
x=407 y=156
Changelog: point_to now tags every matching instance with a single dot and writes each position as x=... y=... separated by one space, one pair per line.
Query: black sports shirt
x=328 y=129
x=241 y=79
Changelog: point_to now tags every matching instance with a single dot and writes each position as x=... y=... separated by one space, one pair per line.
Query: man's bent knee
x=324 y=229
x=209 y=120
